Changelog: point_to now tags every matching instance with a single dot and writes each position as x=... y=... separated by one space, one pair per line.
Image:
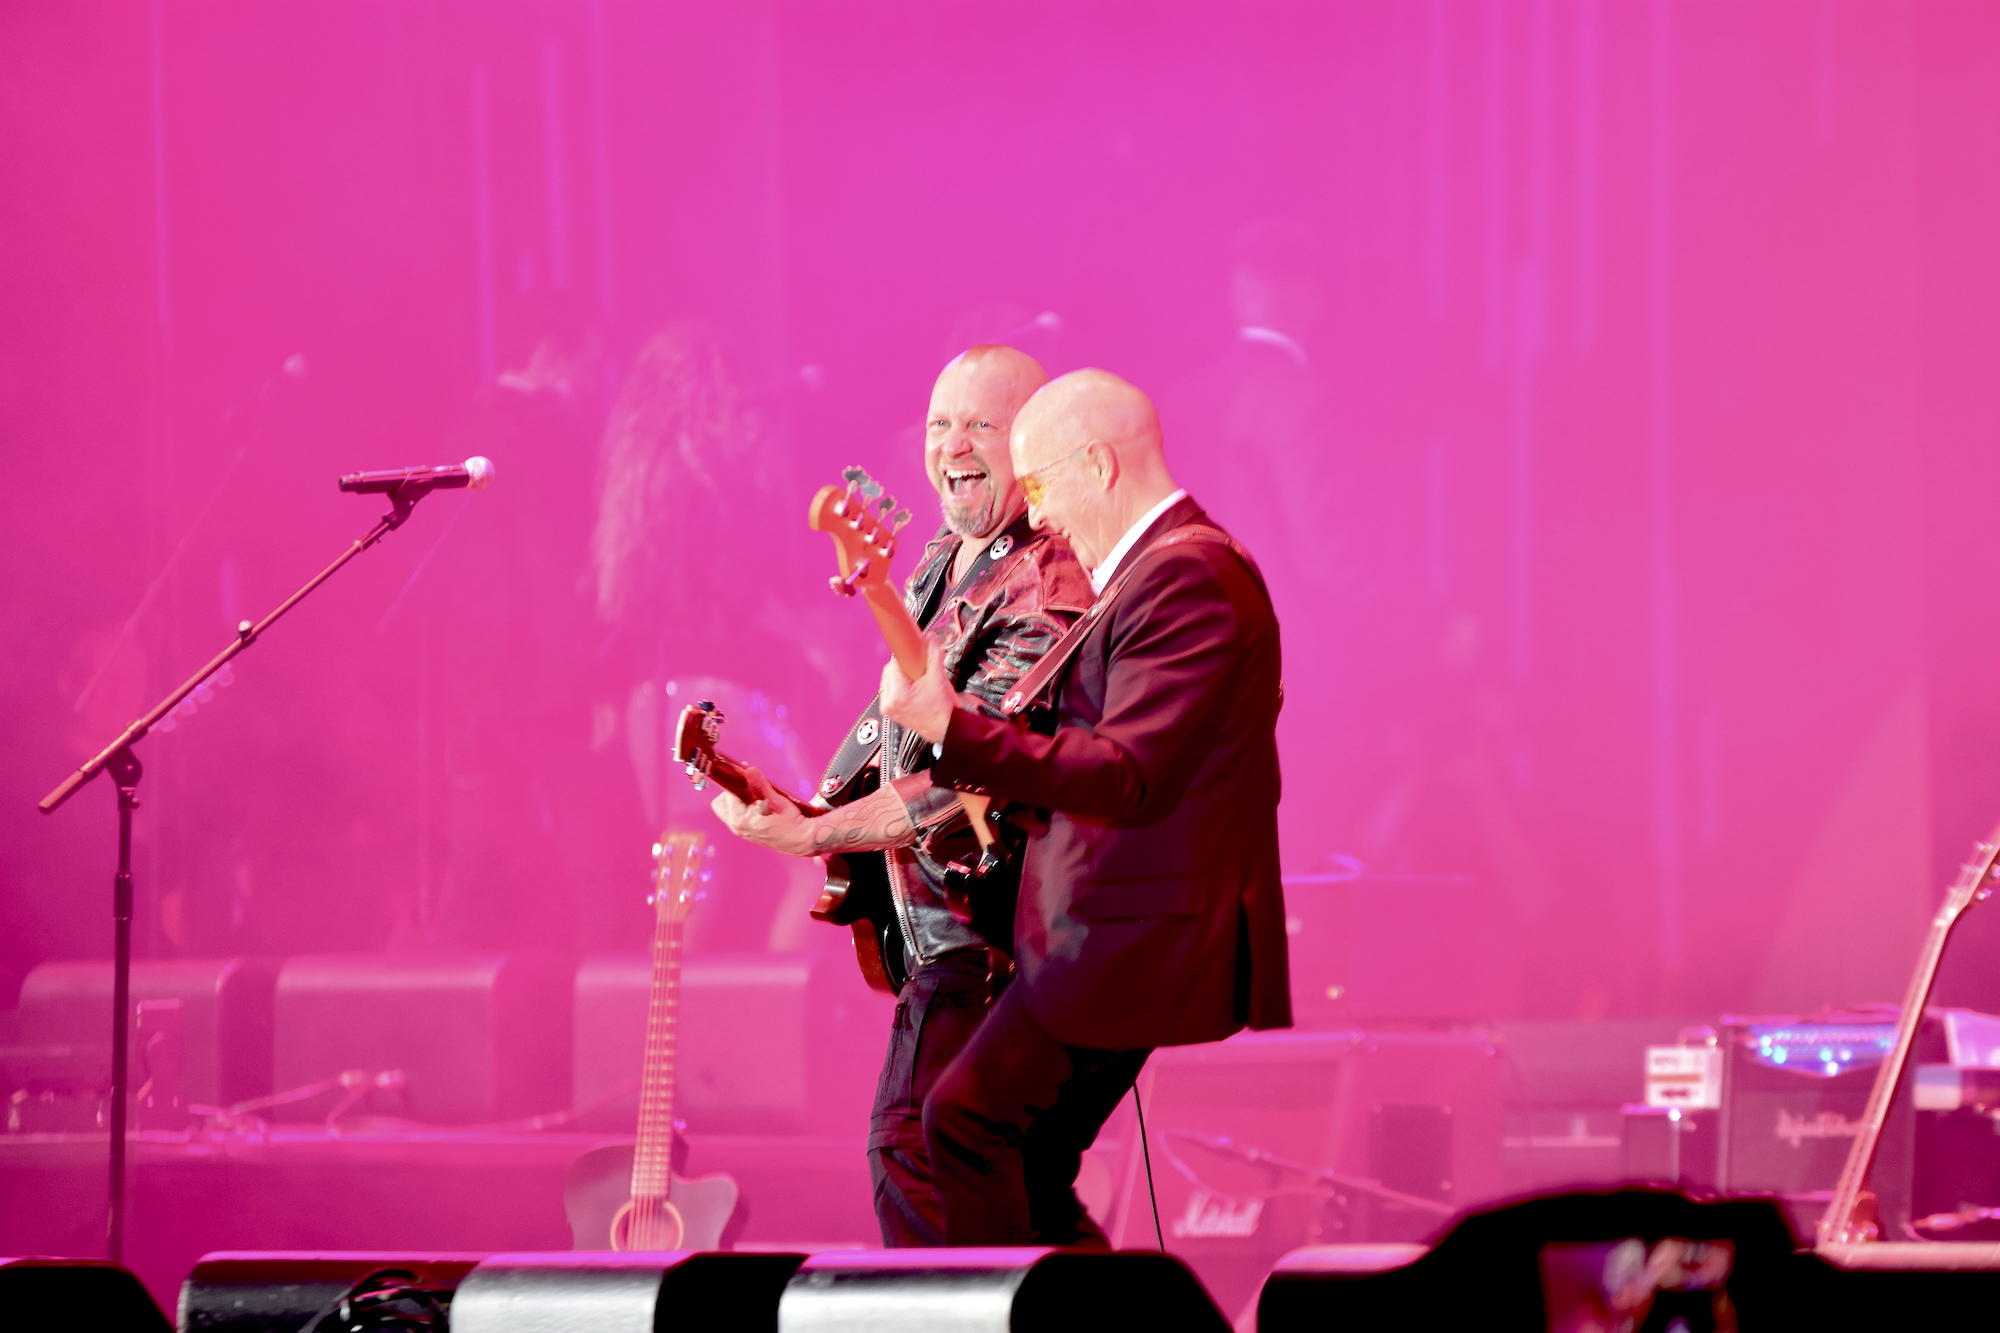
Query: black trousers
x=1006 y=1126
x=937 y=1011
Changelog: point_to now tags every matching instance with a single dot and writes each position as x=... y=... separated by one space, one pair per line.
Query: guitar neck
x=652 y=1157
x=734 y=778
x=1840 y=1224
x=899 y=628
x=907 y=645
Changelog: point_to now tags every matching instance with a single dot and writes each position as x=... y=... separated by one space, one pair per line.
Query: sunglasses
x=1033 y=488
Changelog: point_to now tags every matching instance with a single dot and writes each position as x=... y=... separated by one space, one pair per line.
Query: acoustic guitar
x=628 y=1196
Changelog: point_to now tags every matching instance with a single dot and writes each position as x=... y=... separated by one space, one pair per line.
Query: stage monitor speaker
x=768 y=1043
x=1270 y=1141
x=461 y=1038
x=1327 y=1286
x=225 y=1022
x=39 y=1293
x=622 y=1293
x=996 y=1290
x=282 y=1291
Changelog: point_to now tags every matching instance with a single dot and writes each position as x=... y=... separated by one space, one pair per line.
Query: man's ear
x=1103 y=461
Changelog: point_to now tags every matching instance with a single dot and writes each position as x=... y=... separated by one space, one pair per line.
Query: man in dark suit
x=1150 y=910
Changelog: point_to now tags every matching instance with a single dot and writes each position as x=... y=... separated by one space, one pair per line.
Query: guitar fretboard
x=652 y=1157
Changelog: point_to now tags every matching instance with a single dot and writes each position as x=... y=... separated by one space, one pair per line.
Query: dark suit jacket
x=1151 y=912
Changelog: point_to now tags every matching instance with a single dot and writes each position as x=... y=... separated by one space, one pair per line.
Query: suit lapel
x=1061 y=656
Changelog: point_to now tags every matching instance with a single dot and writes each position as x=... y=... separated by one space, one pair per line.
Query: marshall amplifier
x=1270 y=1141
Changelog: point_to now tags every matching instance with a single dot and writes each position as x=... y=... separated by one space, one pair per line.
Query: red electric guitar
x=852 y=897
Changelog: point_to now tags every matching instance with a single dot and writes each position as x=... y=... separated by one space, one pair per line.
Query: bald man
x=992 y=594
x=1150 y=909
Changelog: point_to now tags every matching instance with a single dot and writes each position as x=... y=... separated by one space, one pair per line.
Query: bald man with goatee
x=992 y=594
x=1150 y=908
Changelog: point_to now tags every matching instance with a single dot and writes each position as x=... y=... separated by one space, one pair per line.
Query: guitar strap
x=927 y=597
x=1029 y=689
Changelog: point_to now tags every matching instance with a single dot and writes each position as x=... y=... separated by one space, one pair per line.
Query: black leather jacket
x=1015 y=602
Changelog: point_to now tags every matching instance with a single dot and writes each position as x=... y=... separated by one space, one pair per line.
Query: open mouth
x=960 y=482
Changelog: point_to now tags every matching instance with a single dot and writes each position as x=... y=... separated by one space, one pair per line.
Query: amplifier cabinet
x=1793 y=1098
x=226 y=1015
x=1270 y=1141
x=767 y=1043
x=465 y=1038
x=1667 y=1146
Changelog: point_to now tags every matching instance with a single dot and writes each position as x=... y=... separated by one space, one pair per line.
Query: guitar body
x=699 y=1215
x=857 y=896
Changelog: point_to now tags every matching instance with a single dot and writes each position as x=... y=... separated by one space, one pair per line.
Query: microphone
x=474 y=474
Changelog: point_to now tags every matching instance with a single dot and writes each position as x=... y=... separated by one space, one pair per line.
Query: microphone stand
x=124 y=768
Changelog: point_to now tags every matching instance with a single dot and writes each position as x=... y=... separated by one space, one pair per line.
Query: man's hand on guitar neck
x=878 y=820
x=923 y=705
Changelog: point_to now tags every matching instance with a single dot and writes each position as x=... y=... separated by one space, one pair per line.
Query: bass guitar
x=857 y=517
x=1844 y=1222
x=627 y=1196
x=856 y=893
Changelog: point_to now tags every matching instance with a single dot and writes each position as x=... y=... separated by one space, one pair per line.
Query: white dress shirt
x=1102 y=574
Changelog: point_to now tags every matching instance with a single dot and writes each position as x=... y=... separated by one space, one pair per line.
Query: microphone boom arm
x=402 y=500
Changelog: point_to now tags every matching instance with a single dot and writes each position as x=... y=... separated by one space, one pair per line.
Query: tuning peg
x=853 y=476
x=898 y=519
x=845 y=586
x=870 y=487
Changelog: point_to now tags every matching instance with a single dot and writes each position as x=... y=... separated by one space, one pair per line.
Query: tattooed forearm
x=876 y=821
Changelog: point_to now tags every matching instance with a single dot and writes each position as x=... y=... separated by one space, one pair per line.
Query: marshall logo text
x=1208 y=1217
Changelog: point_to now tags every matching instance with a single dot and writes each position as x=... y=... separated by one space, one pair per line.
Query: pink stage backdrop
x=1615 y=421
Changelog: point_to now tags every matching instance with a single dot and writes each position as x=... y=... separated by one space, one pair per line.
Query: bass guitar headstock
x=863 y=522
x=677 y=861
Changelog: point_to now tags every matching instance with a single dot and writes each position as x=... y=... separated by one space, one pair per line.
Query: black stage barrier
x=501 y=1293
x=976 y=1290
x=623 y=1293
x=283 y=1292
x=93 y=1294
